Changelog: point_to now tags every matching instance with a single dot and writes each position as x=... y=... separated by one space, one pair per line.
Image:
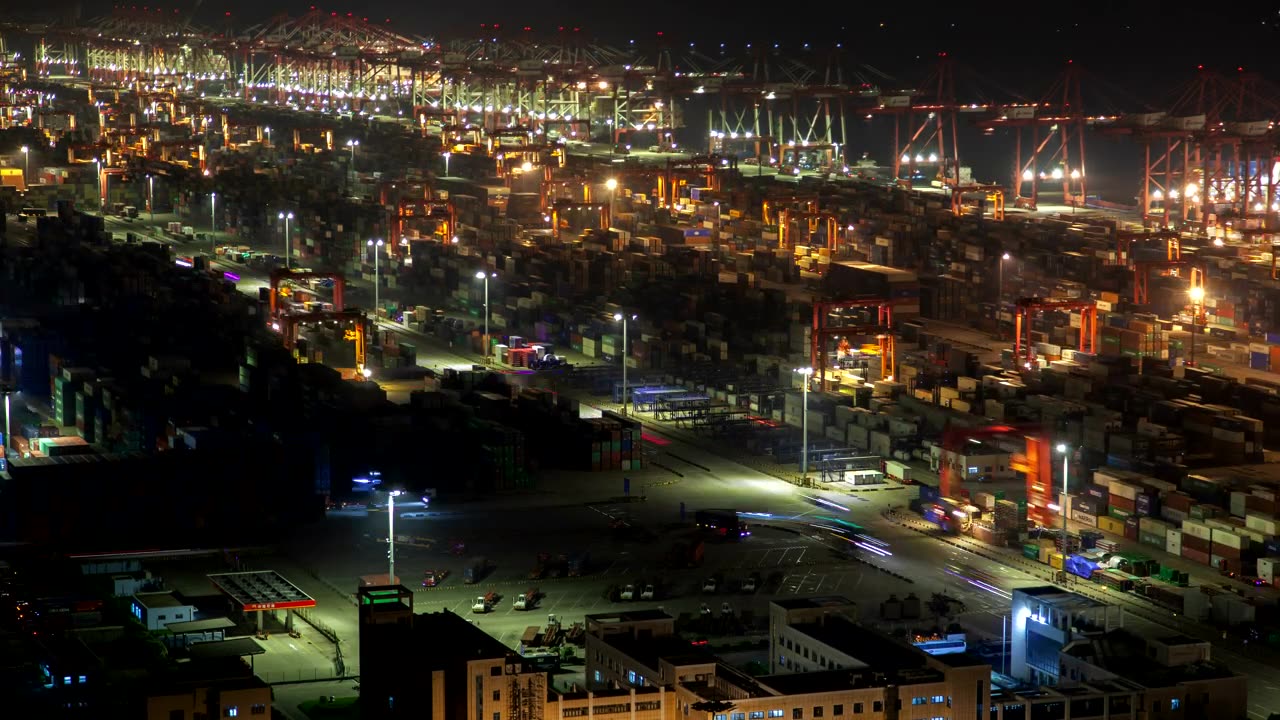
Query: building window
x=66 y=679
x=258 y=709
x=797 y=714
x=83 y=679
x=631 y=678
x=817 y=711
x=775 y=713
x=757 y=715
x=233 y=711
x=837 y=710
x=497 y=695
x=597 y=676
x=877 y=706
x=936 y=699
x=497 y=716
x=919 y=701
x=162 y=617
x=495 y=671
x=1175 y=703
x=176 y=715
x=739 y=716
x=857 y=708
x=721 y=717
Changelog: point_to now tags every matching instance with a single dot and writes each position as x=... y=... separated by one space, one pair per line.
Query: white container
x=1261 y=523
x=1228 y=538
x=1196 y=530
x=1173 y=542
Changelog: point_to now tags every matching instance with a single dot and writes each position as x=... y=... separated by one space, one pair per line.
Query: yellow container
x=1111 y=525
x=1056 y=560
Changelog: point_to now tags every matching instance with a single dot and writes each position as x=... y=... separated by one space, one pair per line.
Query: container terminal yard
x=308 y=319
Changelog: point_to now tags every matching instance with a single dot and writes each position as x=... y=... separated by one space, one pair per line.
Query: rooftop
x=157 y=600
x=836 y=680
x=650 y=651
x=261 y=590
x=237 y=647
x=867 y=646
x=1125 y=654
x=466 y=641
x=627 y=616
x=1060 y=599
x=813 y=603
x=199 y=626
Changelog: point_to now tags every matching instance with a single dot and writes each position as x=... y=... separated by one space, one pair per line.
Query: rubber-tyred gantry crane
x=1035 y=464
x=561 y=208
x=993 y=194
x=770 y=209
x=1125 y=241
x=1022 y=324
x=289 y=323
x=282 y=275
x=881 y=329
x=708 y=167
x=1142 y=277
x=807 y=225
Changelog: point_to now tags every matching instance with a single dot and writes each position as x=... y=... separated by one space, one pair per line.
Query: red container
x=1179 y=501
x=1197 y=556
x=1124 y=504
x=1225 y=551
x=1198 y=544
x=1258 y=504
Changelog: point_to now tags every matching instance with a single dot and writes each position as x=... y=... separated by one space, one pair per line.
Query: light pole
x=1066 y=457
x=1000 y=297
x=151 y=196
x=377 y=274
x=807 y=372
x=446 y=163
x=26 y=164
x=267 y=130
x=97 y=174
x=213 y=222
x=482 y=275
x=1197 y=308
x=612 y=185
x=286 y=217
x=391 y=536
x=353 y=144
x=625 y=390
x=8 y=414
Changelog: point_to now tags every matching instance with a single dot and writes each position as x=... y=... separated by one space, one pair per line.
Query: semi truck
x=723 y=524
x=485 y=602
x=528 y=600
x=476 y=570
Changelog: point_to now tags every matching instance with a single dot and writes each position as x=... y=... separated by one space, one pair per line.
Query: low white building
x=158 y=609
x=973 y=461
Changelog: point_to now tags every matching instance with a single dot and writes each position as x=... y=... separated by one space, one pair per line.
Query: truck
x=485 y=602
x=540 y=566
x=528 y=600
x=475 y=571
x=723 y=524
x=686 y=554
x=578 y=564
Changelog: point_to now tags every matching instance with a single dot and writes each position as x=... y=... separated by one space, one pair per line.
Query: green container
x=1031 y=551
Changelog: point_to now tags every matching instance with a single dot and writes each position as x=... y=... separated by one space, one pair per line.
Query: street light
x=391 y=536
x=807 y=372
x=151 y=196
x=213 y=220
x=26 y=163
x=97 y=166
x=625 y=390
x=286 y=217
x=482 y=275
x=1197 y=308
x=267 y=130
x=353 y=144
x=446 y=163
x=377 y=274
x=1066 y=457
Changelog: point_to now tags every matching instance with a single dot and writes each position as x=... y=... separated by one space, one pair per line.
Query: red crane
x=882 y=329
x=1125 y=241
x=289 y=323
x=1022 y=324
x=1034 y=464
x=1142 y=276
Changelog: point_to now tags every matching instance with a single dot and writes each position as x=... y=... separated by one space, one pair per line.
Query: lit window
x=83 y=679
x=775 y=713
x=1175 y=703
x=66 y=679
x=631 y=678
x=233 y=711
x=938 y=699
x=756 y=715
x=919 y=701
x=597 y=676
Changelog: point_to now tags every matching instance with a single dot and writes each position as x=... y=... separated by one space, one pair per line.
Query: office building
x=1044 y=620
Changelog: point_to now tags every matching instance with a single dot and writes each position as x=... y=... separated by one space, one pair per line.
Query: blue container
x=1147 y=504
x=1260 y=361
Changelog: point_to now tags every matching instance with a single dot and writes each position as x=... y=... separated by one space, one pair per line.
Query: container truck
x=485 y=602
x=528 y=600
x=476 y=570
x=722 y=524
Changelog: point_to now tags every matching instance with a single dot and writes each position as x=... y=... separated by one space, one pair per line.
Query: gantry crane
x=560 y=208
x=771 y=206
x=289 y=322
x=1022 y=324
x=1125 y=241
x=1142 y=277
x=810 y=222
x=881 y=329
x=708 y=167
x=993 y=194
x=280 y=275
x=1034 y=464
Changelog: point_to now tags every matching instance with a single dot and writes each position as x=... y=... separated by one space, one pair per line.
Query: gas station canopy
x=261 y=590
